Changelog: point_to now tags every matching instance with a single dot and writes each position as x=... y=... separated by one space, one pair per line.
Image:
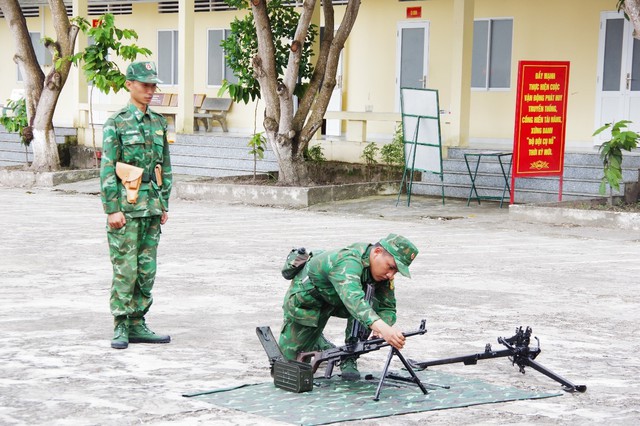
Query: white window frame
x=488 y=65
x=43 y=55
x=172 y=50
x=221 y=62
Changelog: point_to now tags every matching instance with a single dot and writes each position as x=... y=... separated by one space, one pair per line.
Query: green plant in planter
x=369 y=154
x=16 y=121
x=393 y=153
x=257 y=143
x=611 y=153
x=314 y=154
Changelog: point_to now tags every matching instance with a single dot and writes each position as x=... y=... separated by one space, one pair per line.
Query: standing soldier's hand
x=116 y=220
x=164 y=218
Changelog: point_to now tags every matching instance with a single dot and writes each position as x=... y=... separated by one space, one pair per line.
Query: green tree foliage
x=108 y=42
x=242 y=45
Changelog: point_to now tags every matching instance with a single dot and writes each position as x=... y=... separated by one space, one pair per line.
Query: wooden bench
x=215 y=109
x=167 y=104
x=161 y=99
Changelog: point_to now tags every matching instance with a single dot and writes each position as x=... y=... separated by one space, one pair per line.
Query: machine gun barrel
x=471 y=359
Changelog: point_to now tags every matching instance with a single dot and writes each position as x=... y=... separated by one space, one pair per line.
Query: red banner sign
x=541 y=112
x=414 y=12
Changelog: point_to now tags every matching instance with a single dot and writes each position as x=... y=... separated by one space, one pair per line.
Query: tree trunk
x=632 y=9
x=289 y=132
x=42 y=93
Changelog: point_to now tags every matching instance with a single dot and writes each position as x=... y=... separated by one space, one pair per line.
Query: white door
x=618 y=82
x=99 y=98
x=413 y=56
x=333 y=127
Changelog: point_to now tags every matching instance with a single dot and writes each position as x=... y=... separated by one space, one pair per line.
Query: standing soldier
x=135 y=183
x=332 y=284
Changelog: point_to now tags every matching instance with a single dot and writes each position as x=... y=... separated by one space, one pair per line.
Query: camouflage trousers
x=306 y=314
x=133 y=250
x=296 y=338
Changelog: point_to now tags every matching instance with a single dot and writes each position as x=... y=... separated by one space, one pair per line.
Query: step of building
x=216 y=155
x=12 y=151
x=582 y=175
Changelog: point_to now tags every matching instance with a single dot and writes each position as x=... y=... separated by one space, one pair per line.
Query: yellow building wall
x=542 y=30
x=371 y=56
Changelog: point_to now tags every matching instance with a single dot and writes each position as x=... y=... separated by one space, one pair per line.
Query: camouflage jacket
x=138 y=139
x=336 y=280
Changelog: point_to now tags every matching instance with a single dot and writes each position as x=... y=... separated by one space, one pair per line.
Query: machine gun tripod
x=519 y=353
x=297 y=376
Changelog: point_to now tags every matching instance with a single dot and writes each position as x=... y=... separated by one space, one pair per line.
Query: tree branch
x=25 y=55
x=264 y=62
x=333 y=57
x=319 y=72
x=291 y=73
x=632 y=9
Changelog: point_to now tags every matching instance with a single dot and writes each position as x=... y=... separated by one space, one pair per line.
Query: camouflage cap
x=402 y=250
x=144 y=72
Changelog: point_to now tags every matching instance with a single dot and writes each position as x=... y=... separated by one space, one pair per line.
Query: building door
x=413 y=56
x=618 y=82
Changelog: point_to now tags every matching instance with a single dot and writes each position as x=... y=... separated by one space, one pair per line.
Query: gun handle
x=310 y=358
x=328 y=371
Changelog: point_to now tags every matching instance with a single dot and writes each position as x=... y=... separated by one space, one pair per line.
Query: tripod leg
x=568 y=386
x=415 y=377
x=384 y=374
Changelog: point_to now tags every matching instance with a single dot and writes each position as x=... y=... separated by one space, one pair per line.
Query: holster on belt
x=131 y=177
x=158 y=172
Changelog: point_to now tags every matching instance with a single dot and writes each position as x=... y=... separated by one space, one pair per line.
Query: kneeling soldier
x=332 y=283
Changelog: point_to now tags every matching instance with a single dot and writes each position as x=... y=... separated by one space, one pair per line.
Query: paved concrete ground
x=478 y=276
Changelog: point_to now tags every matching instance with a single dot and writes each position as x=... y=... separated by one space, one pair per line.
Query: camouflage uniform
x=332 y=283
x=139 y=139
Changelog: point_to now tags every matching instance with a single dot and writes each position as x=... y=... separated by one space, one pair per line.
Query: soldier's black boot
x=349 y=368
x=120 y=334
x=140 y=333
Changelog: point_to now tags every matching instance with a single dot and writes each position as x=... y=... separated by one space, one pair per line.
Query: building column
x=78 y=80
x=462 y=49
x=184 y=118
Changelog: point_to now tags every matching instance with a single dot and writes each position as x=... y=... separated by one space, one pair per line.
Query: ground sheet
x=333 y=400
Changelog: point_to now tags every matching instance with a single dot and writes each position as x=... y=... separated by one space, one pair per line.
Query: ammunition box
x=293 y=376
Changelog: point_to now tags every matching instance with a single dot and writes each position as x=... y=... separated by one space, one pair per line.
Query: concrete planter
x=281 y=196
x=17 y=176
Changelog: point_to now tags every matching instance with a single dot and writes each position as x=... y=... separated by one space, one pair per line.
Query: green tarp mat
x=333 y=400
